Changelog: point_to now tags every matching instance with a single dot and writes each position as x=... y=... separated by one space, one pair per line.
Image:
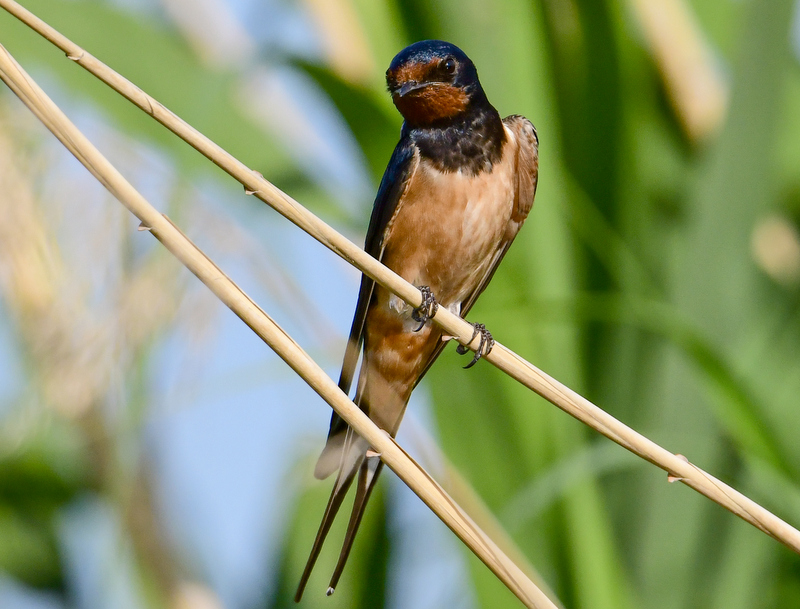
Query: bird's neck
x=470 y=143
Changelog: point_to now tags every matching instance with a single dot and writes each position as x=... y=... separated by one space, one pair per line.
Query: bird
x=458 y=187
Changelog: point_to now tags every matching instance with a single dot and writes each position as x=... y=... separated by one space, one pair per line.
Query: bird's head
x=432 y=82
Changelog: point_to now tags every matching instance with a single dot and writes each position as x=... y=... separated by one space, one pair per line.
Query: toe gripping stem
x=484 y=347
x=427 y=309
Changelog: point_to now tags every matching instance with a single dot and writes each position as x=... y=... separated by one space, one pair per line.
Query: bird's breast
x=448 y=227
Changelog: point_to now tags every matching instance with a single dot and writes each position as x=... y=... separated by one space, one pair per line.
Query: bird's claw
x=484 y=347
x=427 y=309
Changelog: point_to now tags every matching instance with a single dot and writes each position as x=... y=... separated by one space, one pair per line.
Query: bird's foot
x=426 y=310
x=484 y=347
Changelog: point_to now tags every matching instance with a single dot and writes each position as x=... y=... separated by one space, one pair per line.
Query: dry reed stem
x=678 y=467
x=227 y=291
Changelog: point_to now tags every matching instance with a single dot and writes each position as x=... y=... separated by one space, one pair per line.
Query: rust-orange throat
x=422 y=93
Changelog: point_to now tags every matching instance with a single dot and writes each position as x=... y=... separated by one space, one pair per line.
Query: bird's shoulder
x=525 y=138
x=523 y=130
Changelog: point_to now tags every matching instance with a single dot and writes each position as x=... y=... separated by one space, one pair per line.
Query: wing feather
x=393 y=185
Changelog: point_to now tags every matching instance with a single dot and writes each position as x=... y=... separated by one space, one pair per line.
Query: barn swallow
x=458 y=187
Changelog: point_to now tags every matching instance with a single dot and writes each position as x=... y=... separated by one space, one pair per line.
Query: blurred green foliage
x=634 y=282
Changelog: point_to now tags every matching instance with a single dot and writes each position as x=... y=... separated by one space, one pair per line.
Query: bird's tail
x=353 y=459
x=347 y=450
x=367 y=477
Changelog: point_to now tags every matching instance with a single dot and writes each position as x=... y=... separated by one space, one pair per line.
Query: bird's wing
x=527 y=176
x=395 y=181
x=345 y=450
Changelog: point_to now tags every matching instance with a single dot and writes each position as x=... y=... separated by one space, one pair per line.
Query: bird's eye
x=449 y=65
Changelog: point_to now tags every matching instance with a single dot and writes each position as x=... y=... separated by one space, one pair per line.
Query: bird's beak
x=410 y=86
